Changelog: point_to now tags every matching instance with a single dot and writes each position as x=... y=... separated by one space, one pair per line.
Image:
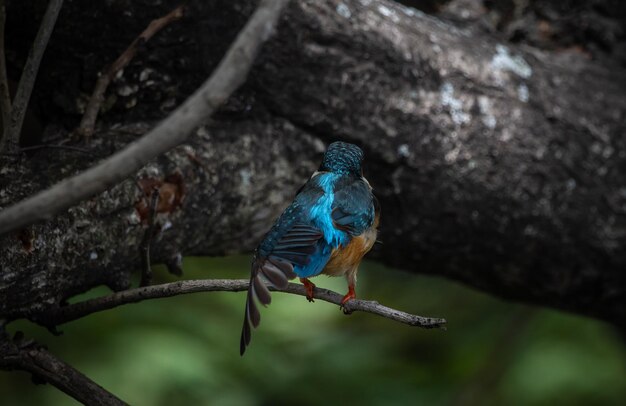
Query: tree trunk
x=498 y=165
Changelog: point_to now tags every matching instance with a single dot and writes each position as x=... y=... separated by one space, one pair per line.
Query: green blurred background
x=185 y=350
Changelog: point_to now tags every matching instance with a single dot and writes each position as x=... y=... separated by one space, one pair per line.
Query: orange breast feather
x=346 y=259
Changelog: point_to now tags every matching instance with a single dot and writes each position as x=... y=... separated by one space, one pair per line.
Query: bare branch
x=97 y=97
x=43 y=365
x=13 y=126
x=5 y=97
x=229 y=75
x=61 y=315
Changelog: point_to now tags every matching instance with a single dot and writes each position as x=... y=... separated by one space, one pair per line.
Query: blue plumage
x=331 y=212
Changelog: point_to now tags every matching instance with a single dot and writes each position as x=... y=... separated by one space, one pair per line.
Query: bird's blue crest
x=341 y=157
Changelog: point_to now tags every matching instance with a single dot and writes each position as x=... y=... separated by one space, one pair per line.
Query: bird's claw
x=308 y=287
x=346 y=299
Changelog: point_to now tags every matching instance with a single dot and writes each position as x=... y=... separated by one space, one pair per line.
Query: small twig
x=174 y=130
x=13 y=126
x=5 y=96
x=88 y=121
x=76 y=311
x=51 y=146
x=30 y=357
x=144 y=248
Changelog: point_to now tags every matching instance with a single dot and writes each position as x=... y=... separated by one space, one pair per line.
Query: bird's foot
x=308 y=286
x=350 y=295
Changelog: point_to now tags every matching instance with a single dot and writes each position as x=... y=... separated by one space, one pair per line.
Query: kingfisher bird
x=328 y=228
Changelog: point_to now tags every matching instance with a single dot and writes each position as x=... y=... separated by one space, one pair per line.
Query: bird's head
x=341 y=157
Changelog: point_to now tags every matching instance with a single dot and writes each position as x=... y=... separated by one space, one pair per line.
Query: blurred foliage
x=185 y=350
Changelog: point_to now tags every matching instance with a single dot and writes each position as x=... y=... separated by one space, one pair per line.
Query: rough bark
x=498 y=165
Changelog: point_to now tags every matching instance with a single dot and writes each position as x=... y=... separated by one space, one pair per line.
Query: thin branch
x=144 y=249
x=5 y=96
x=13 y=126
x=61 y=315
x=44 y=366
x=52 y=146
x=97 y=97
x=229 y=75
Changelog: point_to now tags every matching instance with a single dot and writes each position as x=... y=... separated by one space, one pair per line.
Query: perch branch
x=228 y=76
x=97 y=97
x=13 y=126
x=5 y=96
x=30 y=357
x=76 y=311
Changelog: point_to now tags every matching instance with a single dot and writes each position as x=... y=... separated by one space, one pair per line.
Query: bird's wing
x=353 y=207
x=289 y=243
